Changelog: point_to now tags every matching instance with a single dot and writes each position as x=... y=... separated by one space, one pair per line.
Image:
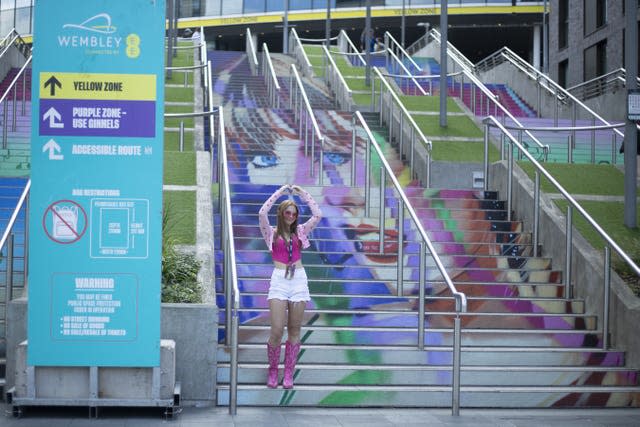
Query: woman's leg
x=294 y=324
x=292 y=347
x=277 y=310
x=278 y=313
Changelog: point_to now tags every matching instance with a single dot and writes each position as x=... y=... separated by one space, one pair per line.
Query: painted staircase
x=524 y=344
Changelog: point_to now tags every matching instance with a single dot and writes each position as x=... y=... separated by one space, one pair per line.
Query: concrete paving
x=300 y=417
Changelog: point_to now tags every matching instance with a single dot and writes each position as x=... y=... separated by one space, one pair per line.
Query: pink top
x=280 y=251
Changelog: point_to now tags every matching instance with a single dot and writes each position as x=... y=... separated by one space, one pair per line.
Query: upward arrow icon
x=52 y=83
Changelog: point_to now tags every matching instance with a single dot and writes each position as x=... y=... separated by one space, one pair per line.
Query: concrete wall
x=587 y=266
x=193 y=327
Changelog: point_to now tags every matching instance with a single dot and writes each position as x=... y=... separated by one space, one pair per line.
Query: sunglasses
x=290 y=214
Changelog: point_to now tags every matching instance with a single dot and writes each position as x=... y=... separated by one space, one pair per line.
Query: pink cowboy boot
x=290 y=359
x=273 y=354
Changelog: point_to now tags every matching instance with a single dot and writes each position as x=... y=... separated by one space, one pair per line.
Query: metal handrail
x=415 y=129
x=559 y=92
x=320 y=41
x=573 y=204
x=232 y=292
x=14 y=215
x=460 y=297
x=251 y=53
x=301 y=56
x=408 y=73
x=305 y=106
x=468 y=72
x=270 y=78
x=343 y=92
x=453 y=52
x=399 y=47
x=598 y=85
x=4 y=99
x=8 y=240
x=14 y=38
x=351 y=50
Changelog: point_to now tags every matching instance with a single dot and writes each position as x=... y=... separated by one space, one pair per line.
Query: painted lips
x=368 y=243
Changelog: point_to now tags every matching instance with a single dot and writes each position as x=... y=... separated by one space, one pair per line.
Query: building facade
x=586 y=39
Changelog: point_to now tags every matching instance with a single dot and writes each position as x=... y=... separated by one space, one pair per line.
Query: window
x=563 y=23
x=595 y=15
x=595 y=60
x=563 y=68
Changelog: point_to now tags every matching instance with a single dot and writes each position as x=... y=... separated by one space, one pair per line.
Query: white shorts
x=295 y=289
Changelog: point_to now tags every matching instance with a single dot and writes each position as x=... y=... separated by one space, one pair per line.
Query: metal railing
x=230 y=275
x=270 y=78
x=7 y=242
x=252 y=57
x=12 y=90
x=562 y=98
x=299 y=54
x=481 y=95
x=303 y=114
x=396 y=48
x=14 y=39
x=572 y=204
x=336 y=83
x=346 y=47
x=606 y=83
x=397 y=124
x=404 y=204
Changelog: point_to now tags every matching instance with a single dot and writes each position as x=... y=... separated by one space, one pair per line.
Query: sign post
x=96 y=198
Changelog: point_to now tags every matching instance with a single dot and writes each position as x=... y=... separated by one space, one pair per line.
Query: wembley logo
x=100 y=23
x=93 y=33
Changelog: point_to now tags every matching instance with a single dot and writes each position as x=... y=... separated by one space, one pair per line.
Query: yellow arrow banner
x=126 y=87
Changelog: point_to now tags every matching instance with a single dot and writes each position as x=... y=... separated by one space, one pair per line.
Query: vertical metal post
x=614 y=144
x=536 y=213
x=545 y=40
x=486 y=156
x=402 y=25
x=181 y=136
x=401 y=141
x=400 y=247
x=570 y=144
x=14 y=109
x=455 y=374
x=353 y=151
x=24 y=92
x=313 y=144
x=285 y=28
x=367 y=179
x=9 y=272
x=171 y=11
x=568 y=252
x=510 y=182
x=422 y=283
x=444 y=31
x=5 y=127
x=233 y=374
x=321 y=162
x=367 y=49
x=606 y=297
x=327 y=28
x=593 y=142
x=383 y=179
x=631 y=131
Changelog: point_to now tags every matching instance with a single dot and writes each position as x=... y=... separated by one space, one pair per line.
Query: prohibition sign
x=68 y=221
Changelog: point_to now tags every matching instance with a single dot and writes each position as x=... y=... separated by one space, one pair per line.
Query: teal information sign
x=96 y=197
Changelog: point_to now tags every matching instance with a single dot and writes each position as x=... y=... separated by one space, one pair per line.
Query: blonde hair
x=281 y=225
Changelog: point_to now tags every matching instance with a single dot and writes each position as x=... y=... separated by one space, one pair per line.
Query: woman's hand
x=296 y=189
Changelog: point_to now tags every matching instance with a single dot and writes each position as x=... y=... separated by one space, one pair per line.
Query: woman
x=288 y=289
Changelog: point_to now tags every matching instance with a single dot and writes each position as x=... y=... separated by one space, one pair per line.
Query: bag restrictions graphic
x=64 y=221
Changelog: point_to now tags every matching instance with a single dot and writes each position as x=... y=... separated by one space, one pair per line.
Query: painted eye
x=335 y=158
x=264 y=161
